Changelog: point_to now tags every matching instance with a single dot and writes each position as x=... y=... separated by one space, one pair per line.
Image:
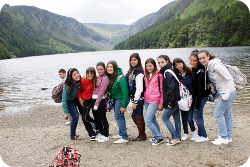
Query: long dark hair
x=152 y=61
x=92 y=69
x=165 y=57
x=69 y=81
x=138 y=66
x=112 y=76
x=179 y=60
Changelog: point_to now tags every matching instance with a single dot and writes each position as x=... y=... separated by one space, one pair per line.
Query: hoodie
x=120 y=89
x=219 y=75
x=171 y=91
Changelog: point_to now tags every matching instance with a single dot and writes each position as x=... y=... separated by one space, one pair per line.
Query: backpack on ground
x=185 y=102
x=240 y=79
x=66 y=157
x=57 y=93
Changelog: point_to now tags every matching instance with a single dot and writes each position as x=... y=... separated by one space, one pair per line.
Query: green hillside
x=196 y=23
x=30 y=31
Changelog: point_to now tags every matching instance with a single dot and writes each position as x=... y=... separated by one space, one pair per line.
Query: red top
x=87 y=88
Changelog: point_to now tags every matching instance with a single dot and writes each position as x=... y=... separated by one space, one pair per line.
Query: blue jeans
x=120 y=119
x=187 y=118
x=223 y=115
x=175 y=132
x=198 y=117
x=75 y=117
x=151 y=121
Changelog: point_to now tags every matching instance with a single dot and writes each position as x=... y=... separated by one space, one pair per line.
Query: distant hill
x=189 y=23
x=29 y=31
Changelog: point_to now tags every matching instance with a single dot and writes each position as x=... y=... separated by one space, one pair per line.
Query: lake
x=21 y=79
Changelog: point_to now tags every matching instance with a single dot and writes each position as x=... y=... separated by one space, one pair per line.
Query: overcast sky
x=98 y=11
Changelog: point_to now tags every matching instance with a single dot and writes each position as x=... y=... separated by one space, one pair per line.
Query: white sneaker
x=201 y=139
x=103 y=139
x=230 y=140
x=116 y=137
x=185 y=136
x=220 y=141
x=99 y=136
x=68 y=123
x=121 y=140
x=194 y=136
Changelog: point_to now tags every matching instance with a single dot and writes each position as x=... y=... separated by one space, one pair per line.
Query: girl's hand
x=66 y=116
x=169 y=106
x=81 y=101
x=134 y=106
x=160 y=107
x=123 y=110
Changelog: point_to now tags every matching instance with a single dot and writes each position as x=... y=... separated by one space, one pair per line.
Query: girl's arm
x=125 y=92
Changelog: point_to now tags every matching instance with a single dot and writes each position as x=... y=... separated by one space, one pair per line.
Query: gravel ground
x=33 y=138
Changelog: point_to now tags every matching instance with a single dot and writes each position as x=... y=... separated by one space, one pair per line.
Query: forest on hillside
x=229 y=26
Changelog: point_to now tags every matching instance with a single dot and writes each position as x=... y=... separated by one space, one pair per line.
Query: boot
x=139 y=121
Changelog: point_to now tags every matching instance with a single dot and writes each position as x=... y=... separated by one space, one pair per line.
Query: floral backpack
x=186 y=98
x=67 y=157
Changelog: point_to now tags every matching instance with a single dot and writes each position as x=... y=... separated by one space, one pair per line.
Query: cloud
x=97 y=11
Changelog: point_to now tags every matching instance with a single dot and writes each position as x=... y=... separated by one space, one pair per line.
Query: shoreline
x=34 y=137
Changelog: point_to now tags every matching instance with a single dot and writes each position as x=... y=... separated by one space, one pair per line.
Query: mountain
x=190 y=23
x=28 y=31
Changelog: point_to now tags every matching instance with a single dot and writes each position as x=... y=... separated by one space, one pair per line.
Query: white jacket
x=219 y=75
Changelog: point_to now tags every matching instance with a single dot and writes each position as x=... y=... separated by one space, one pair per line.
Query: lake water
x=21 y=79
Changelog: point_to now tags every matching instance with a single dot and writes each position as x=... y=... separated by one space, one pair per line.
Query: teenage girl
x=201 y=92
x=171 y=94
x=69 y=99
x=85 y=99
x=135 y=78
x=185 y=76
x=153 y=99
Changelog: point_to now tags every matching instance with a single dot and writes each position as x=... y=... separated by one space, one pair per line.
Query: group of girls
x=156 y=89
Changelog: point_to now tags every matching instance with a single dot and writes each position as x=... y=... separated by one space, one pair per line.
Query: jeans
x=175 y=132
x=223 y=115
x=187 y=118
x=120 y=119
x=151 y=121
x=139 y=108
x=101 y=118
x=198 y=117
x=75 y=117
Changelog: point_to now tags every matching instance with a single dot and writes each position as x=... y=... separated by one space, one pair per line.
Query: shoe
x=152 y=140
x=157 y=142
x=185 y=136
x=220 y=141
x=103 y=139
x=121 y=140
x=92 y=138
x=230 y=140
x=194 y=136
x=76 y=137
x=173 y=142
x=68 y=123
x=99 y=136
x=201 y=139
x=116 y=137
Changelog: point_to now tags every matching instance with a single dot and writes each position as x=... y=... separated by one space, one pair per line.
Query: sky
x=96 y=11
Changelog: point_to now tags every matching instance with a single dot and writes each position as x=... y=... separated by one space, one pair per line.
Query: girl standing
x=185 y=76
x=118 y=89
x=171 y=95
x=226 y=92
x=69 y=99
x=153 y=99
x=85 y=99
x=99 y=102
x=135 y=78
x=200 y=82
